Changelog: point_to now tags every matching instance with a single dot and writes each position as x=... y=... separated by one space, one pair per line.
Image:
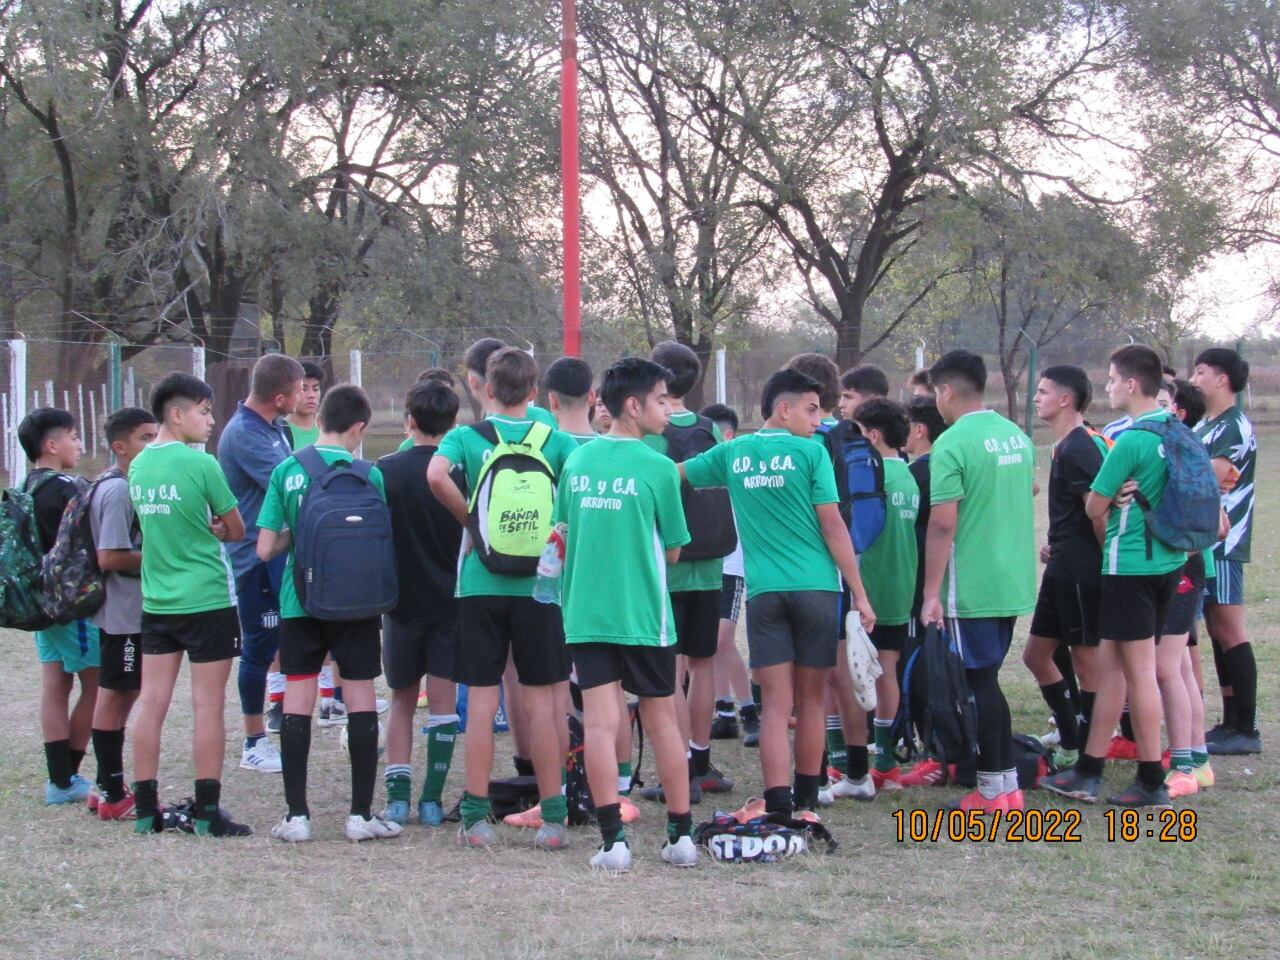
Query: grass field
x=74 y=887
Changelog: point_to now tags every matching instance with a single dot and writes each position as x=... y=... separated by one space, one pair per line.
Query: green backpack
x=509 y=516
x=21 y=584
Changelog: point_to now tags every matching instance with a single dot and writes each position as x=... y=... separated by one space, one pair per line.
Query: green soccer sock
x=624 y=778
x=837 y=749
x=441 y=738
x=555 y=809
x=1199 y=757
x=474 y=809
x=885 y=760
x=1181 y=760
x=399 y=786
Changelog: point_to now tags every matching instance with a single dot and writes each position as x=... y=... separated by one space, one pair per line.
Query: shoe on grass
x=713 y=781
x=263 y=756
x=887 y=781
x=749 y=717
x=1074 y=785
x=724 y=727
x=530 y=819
x=682 y=853
x=430 y=813
x=293 y=829
x=1181 y=783
x=479 y=835
x=1236 y=744
x=122 y=809
x=927 y=773
x=658 y=795
x=552 y=837
x=630 y=812
x=1138 y=795
x=275 y=717
x=861 y=789
x=333 y=713
x=372 y=828
x=616 y=859
x=396 y=811
x=1204 y=776
x=75 y=792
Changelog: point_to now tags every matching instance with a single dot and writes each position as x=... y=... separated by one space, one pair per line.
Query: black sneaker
x=223 y=826
x=1235 y=744
x=724 y=727
x=713 y=781
x=750 y=717
x=1217 y=732
x=658 y=795
x=454 y=815
x=275 y=717
x=1138 y=795
x=1074 y=785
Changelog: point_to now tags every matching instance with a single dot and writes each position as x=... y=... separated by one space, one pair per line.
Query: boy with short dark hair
x=860 y=384
x=302 y=426
x=305 y=641
x=187 y=512
x=66 y=651
x=621 y=502
x=919 y=384
x=571 y=396
x=417 y=636
x=117 y=540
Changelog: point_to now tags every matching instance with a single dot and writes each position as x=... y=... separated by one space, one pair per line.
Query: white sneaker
x=863 y=661
x=682 y=853
x=333 y=713
x=263 y=756
x=382 y=706
x=1051 y=739
x=617 y=859
x=293 y=829
x=375 y=828
x=862 y=789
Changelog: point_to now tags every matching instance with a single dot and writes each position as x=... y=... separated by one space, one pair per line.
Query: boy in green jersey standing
x=621 y=500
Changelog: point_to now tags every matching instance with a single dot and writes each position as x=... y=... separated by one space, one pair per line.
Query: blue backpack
x=1186 y=518
x=859 y=482
x=344 y=566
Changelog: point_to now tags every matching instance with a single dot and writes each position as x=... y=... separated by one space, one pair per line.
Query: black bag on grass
x=767 y=839
x=1033 y=760
x=513 y=795
x=950 y=720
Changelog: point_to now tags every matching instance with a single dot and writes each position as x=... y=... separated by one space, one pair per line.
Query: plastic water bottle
x=546 y=589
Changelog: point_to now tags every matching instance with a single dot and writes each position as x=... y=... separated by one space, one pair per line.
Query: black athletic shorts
x=1134 y=607
x=697 y=622
x=643 y=671
x=891 y=638
x=412 y=649
x=353 y=644
x=120 y=661
x=490 y=628
x=205 y=637
x=800 y=627
x=731 y=598
x=1067 y=611
x=1181 y=615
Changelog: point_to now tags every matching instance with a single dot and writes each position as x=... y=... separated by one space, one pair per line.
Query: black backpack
x=1033 y=760
x=859 y=482
x=577 y=791
x=74 y=585
x=706 y=511
x=950 y=720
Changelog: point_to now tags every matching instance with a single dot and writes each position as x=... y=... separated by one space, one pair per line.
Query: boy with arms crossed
x=621 y=499
x=186 y=511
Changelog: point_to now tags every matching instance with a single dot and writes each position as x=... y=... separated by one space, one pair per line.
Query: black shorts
x=643 y=671
x=120 y=661
x=697 y=622
x=354 y=645
x=891 y=638
x=1180 y=617
x=1134 y=607
x=981 y=641
x=412 y=649
x=800 y=627
x=1067 y=611
x=731 y=598
x=205 y=637
x=490 y=628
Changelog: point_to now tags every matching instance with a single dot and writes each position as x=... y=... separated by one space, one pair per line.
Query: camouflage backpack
x=74 y=585
x=20 y=555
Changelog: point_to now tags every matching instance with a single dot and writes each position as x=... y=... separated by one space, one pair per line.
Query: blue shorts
x=1227 y=586
x=74 y=645
x=982 y=641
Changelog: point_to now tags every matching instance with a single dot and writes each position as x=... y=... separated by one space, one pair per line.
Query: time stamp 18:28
x=1041 y=826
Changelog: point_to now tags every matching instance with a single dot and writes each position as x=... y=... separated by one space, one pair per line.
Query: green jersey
x=289 y=482
x=986 y=466
x=621 y=501
x=1137 y=454
x=1230 y=436
x=690 y=574
x=584 y=438
x=775 y=481
x=463 y=446
x=176 y=491
x=888 y=567
x=300 y=437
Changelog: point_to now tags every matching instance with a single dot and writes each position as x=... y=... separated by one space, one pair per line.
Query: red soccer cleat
x=1122 y=748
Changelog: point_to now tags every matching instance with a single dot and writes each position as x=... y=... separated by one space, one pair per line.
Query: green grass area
x=74 y=887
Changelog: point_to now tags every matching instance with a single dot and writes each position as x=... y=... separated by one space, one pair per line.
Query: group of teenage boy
x=198 y=558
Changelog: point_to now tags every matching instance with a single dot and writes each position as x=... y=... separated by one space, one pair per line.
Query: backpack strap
x=1160 y=429
x=310 y=460
x=36 y=479
x=487 y=430
x=537 y=436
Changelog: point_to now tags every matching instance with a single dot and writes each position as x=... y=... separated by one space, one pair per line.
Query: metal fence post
x=17 y=409
x=357 y=377
x=115 y=382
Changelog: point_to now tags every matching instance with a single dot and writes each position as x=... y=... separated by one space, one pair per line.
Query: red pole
x=569 y=179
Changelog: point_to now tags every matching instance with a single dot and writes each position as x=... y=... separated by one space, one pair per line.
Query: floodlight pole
x=569 y=179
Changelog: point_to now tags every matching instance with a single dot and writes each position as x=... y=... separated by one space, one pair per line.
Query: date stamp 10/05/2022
x=1126 y=825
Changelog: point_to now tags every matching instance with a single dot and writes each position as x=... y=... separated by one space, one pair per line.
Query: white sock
x=1010 y=778
x=275 y=682
x=990 y=785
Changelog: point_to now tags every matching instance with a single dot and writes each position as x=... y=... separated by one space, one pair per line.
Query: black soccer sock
x=778 y=800
x=1067 y=667
x=1244 y=685
x=146 y=798
x=295 y=748
x=77 y=758
x=699 y=762
x=1086 y=715
x=1090 y=766
x=1126 y=724
x=1150 y=773
x=995 y=732
x=725 y=710
x=523 y=765
x=57 y=757
x=679 y=825
x=108 y=751
x=362 y=744
x=610 y=819
x=806 y=790
x=859 y=762
x=1058 y=697
x=208 y=796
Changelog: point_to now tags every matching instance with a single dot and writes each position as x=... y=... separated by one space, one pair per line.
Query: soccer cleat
x=887 y=781
x=713 y=781
x=927 y=773
x=292 y=829
x=479 y=835
x=422 y=700
x=630 y=812
x=223 y=826
x=76 y=792
x=1236 y=744
x=263 y=756
x=275 y=716
x=94 y=798
x=122 y=809
x=1181 y=783
x=1073 y=784
x=530 y=819
x=750 y=719
x=754 y=807
x=1014 y=800
x=1204 y=775
x=333 y=713
x=552 y=836
x=658 y=795
x=617 y=859
x=808 y=816
x=430 y=813
x=1216 y=731
x=976 y=801
x=682 y=853
x=397 y=811
x=724 y=727
x=1122 y=748
x=381 y=705
x=1137 y=795
x=1051 y=739
x=862 y=789
x=374 y=828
